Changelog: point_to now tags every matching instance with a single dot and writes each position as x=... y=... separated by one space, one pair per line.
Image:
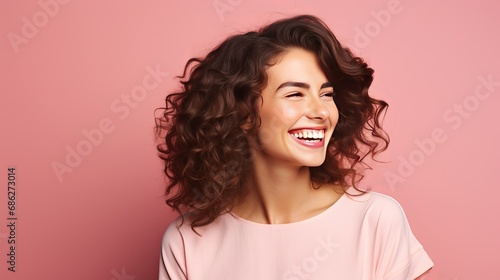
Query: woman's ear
x=249 y=124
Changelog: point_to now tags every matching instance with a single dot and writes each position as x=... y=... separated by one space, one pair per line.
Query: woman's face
x=298 y=114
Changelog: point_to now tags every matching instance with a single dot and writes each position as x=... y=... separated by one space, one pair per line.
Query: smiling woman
x=263 y=148
x=297 y=100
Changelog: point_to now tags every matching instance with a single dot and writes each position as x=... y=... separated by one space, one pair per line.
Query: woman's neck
x=278 y=193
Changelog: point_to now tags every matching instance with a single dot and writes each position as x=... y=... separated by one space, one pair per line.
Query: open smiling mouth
x=309 y=137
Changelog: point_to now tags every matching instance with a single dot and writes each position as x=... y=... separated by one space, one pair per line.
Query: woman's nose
x=317 y=109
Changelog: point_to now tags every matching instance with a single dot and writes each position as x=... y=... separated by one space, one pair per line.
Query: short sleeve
x=401 y=256
x=172 y=258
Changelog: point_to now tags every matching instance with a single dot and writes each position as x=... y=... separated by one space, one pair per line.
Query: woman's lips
x=312 y=138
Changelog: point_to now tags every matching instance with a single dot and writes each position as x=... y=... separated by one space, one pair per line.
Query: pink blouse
x=363 y=237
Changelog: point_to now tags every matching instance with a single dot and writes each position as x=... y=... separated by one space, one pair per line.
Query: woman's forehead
x=296 y=65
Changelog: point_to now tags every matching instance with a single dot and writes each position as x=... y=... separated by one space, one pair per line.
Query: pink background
x=71 y=68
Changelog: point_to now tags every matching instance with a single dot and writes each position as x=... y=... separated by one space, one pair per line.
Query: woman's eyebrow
x=294 y=84
x=326 y=85
x=302 y=85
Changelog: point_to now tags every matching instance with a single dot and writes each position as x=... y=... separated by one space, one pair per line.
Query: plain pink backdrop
x=71 y=68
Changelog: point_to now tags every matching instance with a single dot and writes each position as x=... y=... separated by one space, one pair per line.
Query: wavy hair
x=205 y=126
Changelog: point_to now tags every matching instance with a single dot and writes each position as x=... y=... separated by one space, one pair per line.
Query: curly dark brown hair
x=205 y=127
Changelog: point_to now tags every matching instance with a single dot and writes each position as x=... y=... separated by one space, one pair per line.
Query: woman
x=264 y=150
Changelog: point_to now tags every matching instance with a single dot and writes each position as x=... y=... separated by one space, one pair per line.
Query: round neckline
x=331 y=208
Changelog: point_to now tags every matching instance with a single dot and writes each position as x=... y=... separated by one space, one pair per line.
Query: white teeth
x=312 y=134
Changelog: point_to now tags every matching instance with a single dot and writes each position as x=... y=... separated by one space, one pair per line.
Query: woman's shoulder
x=372 y=199
x=384 y=201
x=173 y=234
x=403 y=256
x=378 y=207
x=181 y=230
x=180 y=226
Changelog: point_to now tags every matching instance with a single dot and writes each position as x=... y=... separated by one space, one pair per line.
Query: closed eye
x=294 y=94
x=329 y=94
